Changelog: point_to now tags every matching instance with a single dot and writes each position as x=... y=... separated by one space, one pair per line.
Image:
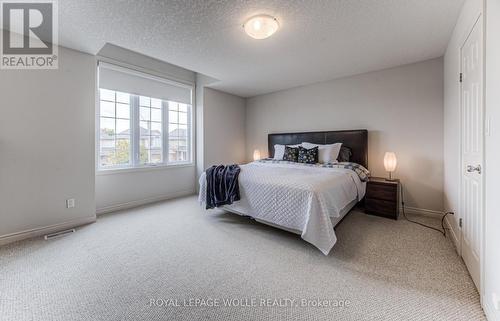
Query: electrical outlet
x=70 y=203
x=496 y=301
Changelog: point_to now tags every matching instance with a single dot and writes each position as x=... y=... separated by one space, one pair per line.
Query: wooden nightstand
x=382 y=197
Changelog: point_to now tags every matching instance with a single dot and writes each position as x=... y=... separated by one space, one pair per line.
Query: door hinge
x=460 y=223
x=461 y=77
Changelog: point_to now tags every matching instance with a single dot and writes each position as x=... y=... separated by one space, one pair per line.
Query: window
x=178 y=132
x=139 y=127
x=150 y=131
x=114 y=134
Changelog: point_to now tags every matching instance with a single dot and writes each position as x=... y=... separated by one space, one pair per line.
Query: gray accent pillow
x=344 y=154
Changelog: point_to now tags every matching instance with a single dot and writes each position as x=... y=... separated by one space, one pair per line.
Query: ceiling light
x=261 y=26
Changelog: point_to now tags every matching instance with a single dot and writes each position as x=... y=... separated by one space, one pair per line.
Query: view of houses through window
x=137 y=131
x=150 y=130
x=178 y=120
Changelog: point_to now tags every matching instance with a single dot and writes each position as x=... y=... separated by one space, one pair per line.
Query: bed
x=306 y=199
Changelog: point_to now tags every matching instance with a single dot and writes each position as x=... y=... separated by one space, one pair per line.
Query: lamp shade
x=390 y=161
x=256 y=154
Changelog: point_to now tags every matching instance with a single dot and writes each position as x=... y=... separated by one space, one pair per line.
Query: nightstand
x=382 y=197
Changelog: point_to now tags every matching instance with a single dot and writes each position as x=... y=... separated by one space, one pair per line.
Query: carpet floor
x=174 y=261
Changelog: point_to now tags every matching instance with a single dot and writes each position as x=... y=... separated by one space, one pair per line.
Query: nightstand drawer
x=381 y=207
x=382 y=192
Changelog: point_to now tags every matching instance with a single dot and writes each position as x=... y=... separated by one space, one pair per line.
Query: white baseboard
x=39 y=231
x=421 y=211
x=452 y=234
x=136 y=203
x=490 y=312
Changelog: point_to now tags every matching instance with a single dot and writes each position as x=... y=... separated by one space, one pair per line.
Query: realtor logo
x=29 y=35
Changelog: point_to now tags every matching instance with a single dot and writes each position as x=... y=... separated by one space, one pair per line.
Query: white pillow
x=279 y=151
x=326 y=153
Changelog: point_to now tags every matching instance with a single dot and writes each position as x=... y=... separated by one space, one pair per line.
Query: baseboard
x=452 y=234
x=490 y=312
x=136 y=203
x=422 y=211
x=39 y=231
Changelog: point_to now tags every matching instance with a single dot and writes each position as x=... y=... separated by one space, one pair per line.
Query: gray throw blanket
x=222 y=185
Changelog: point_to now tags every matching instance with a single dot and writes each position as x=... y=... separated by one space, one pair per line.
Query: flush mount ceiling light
x=261 y=26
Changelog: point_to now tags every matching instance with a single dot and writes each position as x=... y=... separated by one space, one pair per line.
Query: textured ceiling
x=318 y=39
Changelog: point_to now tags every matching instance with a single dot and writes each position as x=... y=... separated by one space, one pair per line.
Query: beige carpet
x=112 y=270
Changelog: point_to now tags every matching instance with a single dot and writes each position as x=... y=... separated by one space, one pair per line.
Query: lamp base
x=390 y=179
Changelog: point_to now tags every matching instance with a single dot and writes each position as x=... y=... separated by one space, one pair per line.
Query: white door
x=472 y=149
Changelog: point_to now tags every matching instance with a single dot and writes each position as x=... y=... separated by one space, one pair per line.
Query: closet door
x=472 y=141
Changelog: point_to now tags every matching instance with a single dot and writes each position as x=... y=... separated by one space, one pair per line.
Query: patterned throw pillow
x=308 y=156
x=291 y=154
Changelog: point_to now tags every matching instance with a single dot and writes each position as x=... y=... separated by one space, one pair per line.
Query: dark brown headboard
x=356 y=140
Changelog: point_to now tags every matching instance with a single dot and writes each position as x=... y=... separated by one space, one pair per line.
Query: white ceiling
x=318 y=39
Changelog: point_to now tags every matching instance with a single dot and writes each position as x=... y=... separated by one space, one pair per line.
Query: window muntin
x=141 y=131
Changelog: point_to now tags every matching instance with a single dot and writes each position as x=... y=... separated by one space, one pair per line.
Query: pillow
x=279 y=151
x=308 y=156
x=345 y=154
x=291 y=154
x=327 y=153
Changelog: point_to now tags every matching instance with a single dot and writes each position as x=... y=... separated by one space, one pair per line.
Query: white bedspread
x=296 y=197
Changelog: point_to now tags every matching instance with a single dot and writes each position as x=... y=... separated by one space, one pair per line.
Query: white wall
x=202 y=81
x=223 y=128
x=468 y=16
x=47 y=145
x=163 y=69
x=119 y=190
x=492 y=169
x=402 y=108
x=122 y=189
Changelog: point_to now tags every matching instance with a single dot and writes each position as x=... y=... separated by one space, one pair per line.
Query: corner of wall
x=453 y=233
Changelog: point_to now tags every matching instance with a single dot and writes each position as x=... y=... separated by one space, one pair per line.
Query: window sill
x=112 y=171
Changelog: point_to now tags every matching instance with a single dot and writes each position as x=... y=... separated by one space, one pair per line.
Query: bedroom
x=107 y=137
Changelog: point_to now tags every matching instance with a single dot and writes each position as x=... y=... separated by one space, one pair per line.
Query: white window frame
x=135 y=130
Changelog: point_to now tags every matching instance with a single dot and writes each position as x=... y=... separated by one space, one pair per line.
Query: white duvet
x=297 y=197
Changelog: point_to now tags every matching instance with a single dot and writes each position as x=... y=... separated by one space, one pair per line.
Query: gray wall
x=128 y=188
x=202 y=81
x=401 y=107
x=119 y=190
x=223 y=128
x=47 y=144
